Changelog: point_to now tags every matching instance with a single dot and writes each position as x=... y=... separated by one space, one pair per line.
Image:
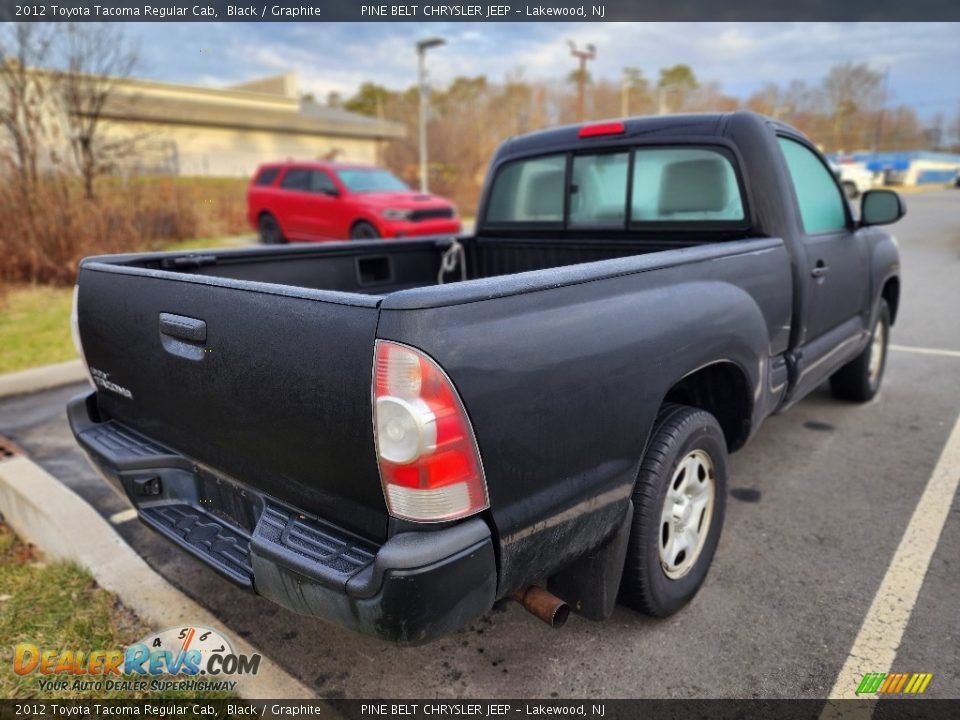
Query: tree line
x=848 y=109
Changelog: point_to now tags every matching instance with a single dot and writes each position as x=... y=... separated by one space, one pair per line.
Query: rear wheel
x=363 y=231
x=269 y=230
x=859 y=380
x=678 y=504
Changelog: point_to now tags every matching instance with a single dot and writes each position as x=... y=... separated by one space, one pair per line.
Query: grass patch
x=58 y=606
x=35 y=319
x=209 y=243
x=35 y=326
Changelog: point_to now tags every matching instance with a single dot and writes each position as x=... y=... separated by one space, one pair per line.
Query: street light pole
x=422 y=47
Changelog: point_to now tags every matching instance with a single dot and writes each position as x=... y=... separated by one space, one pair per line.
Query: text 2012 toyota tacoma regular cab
x=395 y=437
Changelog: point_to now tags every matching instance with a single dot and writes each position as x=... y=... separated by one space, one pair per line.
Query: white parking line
x=926 y=351
x=123 y=516
x=875 y=647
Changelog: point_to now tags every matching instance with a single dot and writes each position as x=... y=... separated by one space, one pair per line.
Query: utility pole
x=422 y=47
x=878 y=134
x=583 y=56
x=662 y=107
x=625 y=85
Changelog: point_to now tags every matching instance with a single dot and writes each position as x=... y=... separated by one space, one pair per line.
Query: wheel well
x=363 y=221
x=723 y=391
x=891 y=293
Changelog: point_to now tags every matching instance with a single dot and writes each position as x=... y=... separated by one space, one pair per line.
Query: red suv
x=311 y=201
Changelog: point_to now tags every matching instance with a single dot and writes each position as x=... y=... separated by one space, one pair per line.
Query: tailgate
x=269 y=385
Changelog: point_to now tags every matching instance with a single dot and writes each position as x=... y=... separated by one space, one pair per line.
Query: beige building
x=191 y=130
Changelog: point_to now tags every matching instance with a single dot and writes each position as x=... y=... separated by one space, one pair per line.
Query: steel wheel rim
x=687 y=513
x=877 y=349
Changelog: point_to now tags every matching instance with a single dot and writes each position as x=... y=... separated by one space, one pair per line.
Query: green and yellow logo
x=894 y=683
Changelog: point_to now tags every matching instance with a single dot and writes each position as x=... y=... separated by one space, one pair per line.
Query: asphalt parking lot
x=820 y=500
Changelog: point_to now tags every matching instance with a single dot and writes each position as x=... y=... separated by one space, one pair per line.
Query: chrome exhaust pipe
x=545 y=605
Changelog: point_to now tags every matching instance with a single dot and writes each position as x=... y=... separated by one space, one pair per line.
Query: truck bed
x=381 y=268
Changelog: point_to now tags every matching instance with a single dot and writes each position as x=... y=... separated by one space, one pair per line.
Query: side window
x=320 y=182
x=267 y=176
x=296 y=179
x=598 y=190
x=821 y=205
x=529 y=191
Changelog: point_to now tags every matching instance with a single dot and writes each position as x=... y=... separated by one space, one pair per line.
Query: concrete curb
x=41 y=378
x=45 y=512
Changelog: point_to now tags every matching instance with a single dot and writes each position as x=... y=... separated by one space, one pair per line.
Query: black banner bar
x=903 y=708
x=476 y=10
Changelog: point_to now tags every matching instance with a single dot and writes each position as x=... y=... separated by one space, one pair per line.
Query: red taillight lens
x=429 y=463
x=613 y=128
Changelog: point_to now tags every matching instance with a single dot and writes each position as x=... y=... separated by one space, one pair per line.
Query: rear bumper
x=415 y=587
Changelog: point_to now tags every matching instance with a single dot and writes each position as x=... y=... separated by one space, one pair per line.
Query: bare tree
x=24 y=111
x=850 y=89
x=97 y=58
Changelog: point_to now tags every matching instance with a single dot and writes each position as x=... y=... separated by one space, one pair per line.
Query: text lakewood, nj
x=293 y=12
x=487 y=11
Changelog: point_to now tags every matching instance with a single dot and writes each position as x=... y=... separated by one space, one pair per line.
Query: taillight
x=429 y=463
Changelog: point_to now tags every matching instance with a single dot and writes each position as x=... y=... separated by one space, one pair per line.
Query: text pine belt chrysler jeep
x=394 y=437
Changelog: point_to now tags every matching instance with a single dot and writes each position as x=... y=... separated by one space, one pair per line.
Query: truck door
x=836 y=273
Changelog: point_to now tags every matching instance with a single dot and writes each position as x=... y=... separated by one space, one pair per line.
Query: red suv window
x=296 y=179
x=267 y=176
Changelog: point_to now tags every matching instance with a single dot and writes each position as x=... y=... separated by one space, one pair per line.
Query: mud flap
x=590 y=585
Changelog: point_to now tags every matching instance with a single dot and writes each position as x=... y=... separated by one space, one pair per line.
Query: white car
x=854 y=178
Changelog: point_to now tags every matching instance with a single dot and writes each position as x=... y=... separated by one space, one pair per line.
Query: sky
x=923 y=59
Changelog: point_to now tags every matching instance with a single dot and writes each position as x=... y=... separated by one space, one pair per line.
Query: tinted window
x=529 y=191
x=598 y=190
x=267 y=176
x=296 y=179
x=320 y=182
x=821 y=204
x=669 y=185
x=362 y=180
x=684 y=185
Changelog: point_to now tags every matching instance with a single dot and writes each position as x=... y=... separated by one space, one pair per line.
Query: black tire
x=850 y=189
x=679 y=431
x=269 y=230
x=362 y=230
x=857 y=380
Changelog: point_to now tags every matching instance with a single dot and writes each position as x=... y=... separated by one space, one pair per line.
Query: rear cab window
x=620 y=190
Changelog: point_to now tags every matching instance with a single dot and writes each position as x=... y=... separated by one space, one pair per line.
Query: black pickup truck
x=394 y=436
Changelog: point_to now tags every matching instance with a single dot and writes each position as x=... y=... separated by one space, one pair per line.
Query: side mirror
x=881 y=207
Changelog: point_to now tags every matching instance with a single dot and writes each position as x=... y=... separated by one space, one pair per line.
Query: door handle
x=820 y=270
x=182 y=327
x=183 y=336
